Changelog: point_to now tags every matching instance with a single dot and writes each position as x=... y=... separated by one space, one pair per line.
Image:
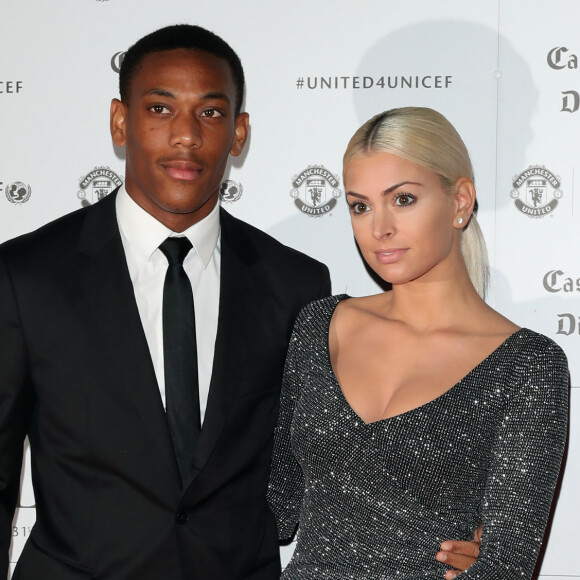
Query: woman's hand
x=459 y=555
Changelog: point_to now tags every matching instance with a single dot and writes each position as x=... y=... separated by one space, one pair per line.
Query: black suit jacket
x=77 y=378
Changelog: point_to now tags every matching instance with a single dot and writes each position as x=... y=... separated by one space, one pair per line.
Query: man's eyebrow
x=158 y=92
x=220 y=96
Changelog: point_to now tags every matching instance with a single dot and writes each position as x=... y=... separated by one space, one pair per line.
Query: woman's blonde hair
x=424 y=136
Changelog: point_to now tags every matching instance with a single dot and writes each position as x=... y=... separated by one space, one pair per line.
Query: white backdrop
x=505 y=72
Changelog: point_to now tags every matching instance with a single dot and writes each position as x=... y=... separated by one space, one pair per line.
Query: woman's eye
x=404 y=199
x=359 y=207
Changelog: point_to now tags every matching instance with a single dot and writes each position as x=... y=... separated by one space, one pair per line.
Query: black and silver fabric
x=376 y=500
x=180 y=356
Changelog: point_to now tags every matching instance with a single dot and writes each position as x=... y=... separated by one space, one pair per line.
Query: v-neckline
x=445 y=393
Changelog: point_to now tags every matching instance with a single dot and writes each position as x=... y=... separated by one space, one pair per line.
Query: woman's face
x=403 y=219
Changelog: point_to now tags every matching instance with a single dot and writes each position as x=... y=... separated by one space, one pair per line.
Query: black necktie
x=180 y=356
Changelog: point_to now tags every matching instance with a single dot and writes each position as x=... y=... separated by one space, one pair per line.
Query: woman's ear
x=464 y=202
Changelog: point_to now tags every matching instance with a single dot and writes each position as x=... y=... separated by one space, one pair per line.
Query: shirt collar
x=144 y=233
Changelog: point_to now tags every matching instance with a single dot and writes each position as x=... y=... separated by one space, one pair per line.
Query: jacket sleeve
x=286 y=487
x=15 y=405
x=325 y=285
x=526 y=460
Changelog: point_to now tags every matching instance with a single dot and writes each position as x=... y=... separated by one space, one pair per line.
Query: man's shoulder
x=49 y=235
x=54 y=237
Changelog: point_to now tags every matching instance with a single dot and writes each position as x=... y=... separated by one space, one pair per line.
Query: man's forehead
x=184 y=57
x=156 y=68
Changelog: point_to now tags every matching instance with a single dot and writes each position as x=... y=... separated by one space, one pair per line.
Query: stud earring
x=459 y=220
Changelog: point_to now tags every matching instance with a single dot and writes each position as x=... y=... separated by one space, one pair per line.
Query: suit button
x=181 y=517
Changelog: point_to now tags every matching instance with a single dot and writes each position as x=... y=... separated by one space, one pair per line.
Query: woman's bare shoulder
x=373 y=304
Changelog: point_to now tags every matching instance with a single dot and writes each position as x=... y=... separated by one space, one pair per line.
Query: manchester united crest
x=97 y=184
x=315 y=190
x=536 y=191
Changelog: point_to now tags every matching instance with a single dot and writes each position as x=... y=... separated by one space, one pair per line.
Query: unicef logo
x=18 y=192
x=536 y=191
x=117 y=61
x=230 y=191
x=315 y=190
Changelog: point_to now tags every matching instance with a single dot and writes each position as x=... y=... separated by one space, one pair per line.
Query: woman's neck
x=427 y=305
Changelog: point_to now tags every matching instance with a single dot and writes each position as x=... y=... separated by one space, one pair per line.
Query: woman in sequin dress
x=417 y=414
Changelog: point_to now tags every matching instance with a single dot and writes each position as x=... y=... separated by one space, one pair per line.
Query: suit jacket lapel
x=239 y=290
x=109 y=292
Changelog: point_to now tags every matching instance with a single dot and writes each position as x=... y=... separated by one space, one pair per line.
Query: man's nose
x=186 y=131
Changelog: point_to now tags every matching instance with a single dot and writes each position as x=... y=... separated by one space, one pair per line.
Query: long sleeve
x=526 y=459
x=286 y=487
x=325 y=283
x=15 y=394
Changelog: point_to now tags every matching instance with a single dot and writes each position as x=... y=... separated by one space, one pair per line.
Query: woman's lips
x=390 y=255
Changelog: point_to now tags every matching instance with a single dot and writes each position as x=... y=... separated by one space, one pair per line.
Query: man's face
x=179 y=128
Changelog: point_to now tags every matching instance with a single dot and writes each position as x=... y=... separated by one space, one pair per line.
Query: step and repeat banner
x=505 y=72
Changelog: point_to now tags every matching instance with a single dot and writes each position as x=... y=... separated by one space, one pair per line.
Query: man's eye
x=159 y=109
x=211 y=113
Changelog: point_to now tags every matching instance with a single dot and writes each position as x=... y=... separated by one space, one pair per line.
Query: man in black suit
x=122 y=493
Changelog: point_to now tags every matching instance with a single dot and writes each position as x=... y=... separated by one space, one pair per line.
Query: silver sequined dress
x=376 y=500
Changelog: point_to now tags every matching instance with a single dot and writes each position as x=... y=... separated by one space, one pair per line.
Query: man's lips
x=390 y=255
x=182 y=170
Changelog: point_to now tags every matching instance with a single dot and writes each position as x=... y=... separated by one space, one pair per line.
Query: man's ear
x=241 y=130
x=464 y=201
x=118 y=122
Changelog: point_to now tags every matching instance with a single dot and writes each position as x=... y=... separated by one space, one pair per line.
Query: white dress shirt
x=142 y=235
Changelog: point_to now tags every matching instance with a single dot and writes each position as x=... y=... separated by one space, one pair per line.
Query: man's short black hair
x=181 y=36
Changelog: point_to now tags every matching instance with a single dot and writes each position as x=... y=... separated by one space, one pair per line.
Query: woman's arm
x=286 y=479
x=525 y=464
